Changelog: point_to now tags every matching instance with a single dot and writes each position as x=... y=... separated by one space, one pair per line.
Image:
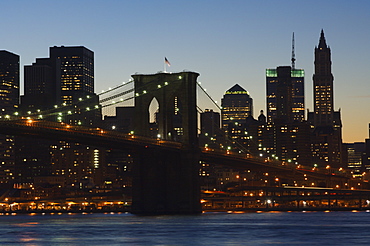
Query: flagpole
x=166 y=63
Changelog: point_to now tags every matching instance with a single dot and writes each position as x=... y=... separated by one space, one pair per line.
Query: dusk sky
x=228 y=42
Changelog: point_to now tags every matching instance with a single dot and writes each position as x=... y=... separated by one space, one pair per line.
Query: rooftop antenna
x=293 y=54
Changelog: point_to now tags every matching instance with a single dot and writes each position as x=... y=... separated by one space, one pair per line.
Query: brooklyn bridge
x=166 y=168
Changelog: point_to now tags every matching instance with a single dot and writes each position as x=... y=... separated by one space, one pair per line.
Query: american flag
x=167 y=62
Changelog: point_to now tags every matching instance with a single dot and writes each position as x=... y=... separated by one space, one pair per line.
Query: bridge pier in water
x=166 y=181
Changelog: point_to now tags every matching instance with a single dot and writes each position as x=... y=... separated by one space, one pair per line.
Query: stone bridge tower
x=167 y=181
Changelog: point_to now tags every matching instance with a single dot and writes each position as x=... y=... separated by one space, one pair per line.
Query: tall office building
x=237 y=105
x=62 y=84
x=326 y=123
x=290 y=86
x=323 y=85
x=65 y=78
x=9 y=101
x=237 y=119
x=366 y=160
x=41 y=85
x=210 y=122
x=9 y=82
x=286 y=134
x=76 y=71
x=210 y=134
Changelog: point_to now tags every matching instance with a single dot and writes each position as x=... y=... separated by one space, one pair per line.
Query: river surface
x=286 y=228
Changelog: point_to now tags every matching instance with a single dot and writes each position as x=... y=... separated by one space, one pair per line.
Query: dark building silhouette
x=326 y=123
x=9 y=101
x=366 y=159
x=65 y=79
x=122 y=121
x=41 y=85
x=210 y=122
x=210 y=134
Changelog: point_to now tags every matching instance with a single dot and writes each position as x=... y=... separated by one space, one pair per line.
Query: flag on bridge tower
x=166 y=62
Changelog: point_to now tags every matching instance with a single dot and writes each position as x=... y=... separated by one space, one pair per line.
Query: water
x=296 y=228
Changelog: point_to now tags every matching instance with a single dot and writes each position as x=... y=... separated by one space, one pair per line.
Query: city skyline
x=228 y=43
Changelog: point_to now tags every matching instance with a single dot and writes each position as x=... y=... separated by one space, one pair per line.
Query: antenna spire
x=293 y=54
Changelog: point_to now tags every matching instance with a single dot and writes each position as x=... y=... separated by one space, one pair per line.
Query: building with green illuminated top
x=296 y=98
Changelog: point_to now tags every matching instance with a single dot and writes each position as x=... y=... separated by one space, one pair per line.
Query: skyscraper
x=76 y=71
x=62 y=84
x=237 y=118
x=41 y=85
x=327 y=125
x=291 y=92
x=9 y=82
x=237 y=105
x=9 y=101
x=67 y=78
x=323 y=85
x=286 y=134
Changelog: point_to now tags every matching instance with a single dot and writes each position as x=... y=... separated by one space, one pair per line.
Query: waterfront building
x=9 y=102
x=325 y=122
x=79 y=164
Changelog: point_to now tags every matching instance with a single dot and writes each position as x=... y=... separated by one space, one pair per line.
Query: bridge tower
x=167 y=181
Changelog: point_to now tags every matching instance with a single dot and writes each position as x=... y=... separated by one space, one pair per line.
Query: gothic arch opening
x=153 y=110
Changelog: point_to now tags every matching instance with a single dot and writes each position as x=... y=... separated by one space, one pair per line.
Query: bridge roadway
x=112 y=139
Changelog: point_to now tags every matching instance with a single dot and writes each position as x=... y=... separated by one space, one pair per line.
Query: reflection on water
x=297 y=228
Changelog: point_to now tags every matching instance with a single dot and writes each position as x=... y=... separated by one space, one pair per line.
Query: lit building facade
x=65 y=79
x=9 y=102
x=296 y=97
x=78 y=163
x=236 y=105
x=286 y=136
x=76 y=71
x=354 y=154
x=325 y=122
x=237 y=118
